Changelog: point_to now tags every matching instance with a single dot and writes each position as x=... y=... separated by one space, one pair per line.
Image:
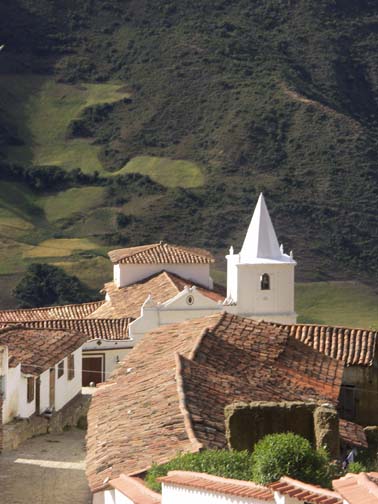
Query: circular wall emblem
x=190 y=300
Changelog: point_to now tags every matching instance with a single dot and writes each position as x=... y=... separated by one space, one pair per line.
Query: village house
x=40 y=371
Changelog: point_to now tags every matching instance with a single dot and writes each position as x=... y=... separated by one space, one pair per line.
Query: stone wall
x=365 y=382
x=73 y=414
x=247 y=423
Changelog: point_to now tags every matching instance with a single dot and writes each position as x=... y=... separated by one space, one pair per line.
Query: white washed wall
x=126 y=274
x=172 y=311
x=66 y=389
x=121 y=499
x=278 y=299
x=111 y=497
x=3 y=360
x=285 y=499
x=45 y=391
x=174 y=494
x=11 y=401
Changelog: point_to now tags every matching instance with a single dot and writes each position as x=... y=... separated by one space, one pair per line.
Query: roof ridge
x=220 y=317
x=168 y=275
x=191 y=250
x=196 y=445
x=217 y=478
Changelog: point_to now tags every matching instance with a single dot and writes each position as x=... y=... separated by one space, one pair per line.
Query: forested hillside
x=126 y=122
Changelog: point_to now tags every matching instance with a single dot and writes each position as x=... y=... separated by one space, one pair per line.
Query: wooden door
x=38 y=396
x=92 y=369
x=52 y=387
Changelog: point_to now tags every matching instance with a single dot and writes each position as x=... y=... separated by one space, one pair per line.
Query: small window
x=71 y=367
x=61 y=369
x=347 y=402
x=30 y=386
x=190 y=299
x=265 y=282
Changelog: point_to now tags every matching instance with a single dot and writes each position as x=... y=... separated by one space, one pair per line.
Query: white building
x=260 y=279
x=186 y=487
x=40 y=370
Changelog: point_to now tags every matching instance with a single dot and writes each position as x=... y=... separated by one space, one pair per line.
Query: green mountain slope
x=214 y=101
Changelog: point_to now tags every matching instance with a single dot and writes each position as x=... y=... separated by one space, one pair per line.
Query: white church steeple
x=260 y=279
x=260 y=243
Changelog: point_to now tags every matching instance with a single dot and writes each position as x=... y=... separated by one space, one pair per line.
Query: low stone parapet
x=19 y=430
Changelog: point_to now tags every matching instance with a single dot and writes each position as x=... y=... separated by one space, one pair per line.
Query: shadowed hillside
x=212 y=102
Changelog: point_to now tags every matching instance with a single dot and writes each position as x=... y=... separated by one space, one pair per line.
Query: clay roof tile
x=160 y=253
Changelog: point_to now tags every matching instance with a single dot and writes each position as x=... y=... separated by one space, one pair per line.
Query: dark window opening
x=61 y=369
x=71 y=366
x=265 y=282
x=347 y=402
x=30 y=386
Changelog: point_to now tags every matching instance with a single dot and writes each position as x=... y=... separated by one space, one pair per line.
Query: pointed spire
x=261 y=240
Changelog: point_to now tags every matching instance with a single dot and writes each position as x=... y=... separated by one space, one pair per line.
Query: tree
x=47 y=285
x=289 y=454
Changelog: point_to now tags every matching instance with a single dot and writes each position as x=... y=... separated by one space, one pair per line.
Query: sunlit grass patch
x=42 y=110
x=60 y=247
x=72 y=201
x=168 y=172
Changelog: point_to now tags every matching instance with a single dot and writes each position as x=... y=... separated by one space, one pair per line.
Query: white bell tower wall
x=254 y=299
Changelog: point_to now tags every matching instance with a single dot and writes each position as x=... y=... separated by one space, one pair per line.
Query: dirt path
x=44 y=470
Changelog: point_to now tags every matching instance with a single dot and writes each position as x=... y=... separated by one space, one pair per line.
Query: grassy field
x=65 y=204
x=351 y=304
x=59 y=247
x=31 y=102
x=168 y=172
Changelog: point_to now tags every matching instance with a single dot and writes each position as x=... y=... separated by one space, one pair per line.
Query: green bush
x=289 y=454
x=229 y=464
x=356 y=467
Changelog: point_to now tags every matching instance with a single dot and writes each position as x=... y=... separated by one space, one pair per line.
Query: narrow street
x=46 y=469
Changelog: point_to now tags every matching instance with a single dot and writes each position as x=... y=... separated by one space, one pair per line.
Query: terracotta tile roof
x=244 y=489
x=127 y=301
x=72 y=311
x=358 y=488
x=161 y=253
x=352 y=433
x=170 y=392
x=305 y=492
x=38 y=350
x=109 y=329
x=351 y=346
x=135 y=490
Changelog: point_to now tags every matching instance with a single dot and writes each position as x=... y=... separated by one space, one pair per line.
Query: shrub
x=229 y=464
x=289 y=454
x=356 y=467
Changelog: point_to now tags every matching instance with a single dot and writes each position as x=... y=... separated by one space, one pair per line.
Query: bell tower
x=260 y=279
